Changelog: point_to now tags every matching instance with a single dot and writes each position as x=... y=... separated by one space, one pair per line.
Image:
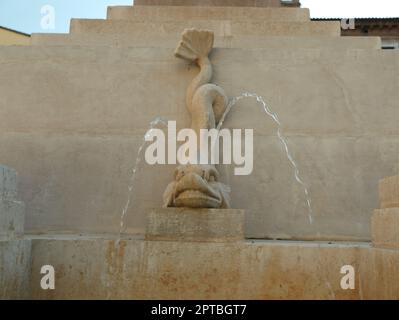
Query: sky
x=351 y=8
x=26 y=15
x=54 y=15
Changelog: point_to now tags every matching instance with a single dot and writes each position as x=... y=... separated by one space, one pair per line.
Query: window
x=390 y=44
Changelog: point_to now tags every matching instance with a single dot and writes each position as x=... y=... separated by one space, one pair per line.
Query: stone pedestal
x=203 y=225
x=385 y=221
x=12 y=212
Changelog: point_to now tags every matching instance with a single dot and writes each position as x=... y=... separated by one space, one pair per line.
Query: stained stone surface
x=206 y=225
x=137 y=269
x=226 y=28
x=12 y=211
x=185 y=13
x=15 y=264
x=385 y=228
x=8 y=183
x=389 y=192
x=81 y=110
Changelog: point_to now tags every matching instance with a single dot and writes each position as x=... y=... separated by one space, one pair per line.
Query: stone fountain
x=197 y=203
x=73 y=124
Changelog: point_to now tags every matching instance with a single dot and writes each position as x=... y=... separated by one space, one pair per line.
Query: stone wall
x=15 y=258
x=72 y=125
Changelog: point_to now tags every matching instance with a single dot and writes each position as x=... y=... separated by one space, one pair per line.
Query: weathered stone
x=218 y=3
x=197 y=185
x=8 y=183
x=385 y=228
x=204 y=225
x=15 y=264
x=220 y=28
x=12 y=217
x=137 y=269
x=81 y=151
x=175 y=13
x=169 y=41
x=389 y=192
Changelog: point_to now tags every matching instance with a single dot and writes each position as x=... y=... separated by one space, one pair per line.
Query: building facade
x=386 y=28
x=9 y=37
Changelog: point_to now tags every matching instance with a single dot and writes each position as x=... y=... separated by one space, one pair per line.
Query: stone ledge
x=203 y=225
x=210 y=3
x=219 y=27
x=385 y=228
x=184 y=13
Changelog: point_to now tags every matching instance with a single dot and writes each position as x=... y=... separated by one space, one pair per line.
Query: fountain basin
x=93 y=268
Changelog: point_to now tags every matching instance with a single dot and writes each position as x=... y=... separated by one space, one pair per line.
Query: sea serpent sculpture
x=197 y=185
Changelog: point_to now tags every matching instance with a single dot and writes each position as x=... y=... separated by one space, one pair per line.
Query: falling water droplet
x=280 y=136
x=134 y=169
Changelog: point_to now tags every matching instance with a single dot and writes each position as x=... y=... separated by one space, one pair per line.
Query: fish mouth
x=193 y=191
x=195 y=199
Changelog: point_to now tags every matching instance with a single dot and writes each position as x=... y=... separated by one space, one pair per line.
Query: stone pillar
x=198 y=225
x=12 y=212
x=385 y=221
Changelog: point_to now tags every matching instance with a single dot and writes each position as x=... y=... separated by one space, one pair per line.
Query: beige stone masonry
x=177 y=13
x=220 y=27
x=389 y=192
x=385 y=228
x=82 y=144
x=385 y=221
x=169 y=41
x=210 y=3
x=204 y=225
x=137 y=269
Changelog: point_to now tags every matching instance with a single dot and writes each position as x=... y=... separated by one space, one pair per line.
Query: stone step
x=12 y=216
x=221 y=28
x=177 y=13
x=8 y=183
x=171 y=41
x=210 y=3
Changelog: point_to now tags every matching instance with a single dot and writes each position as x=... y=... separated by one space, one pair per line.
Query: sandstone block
x=389 y=192
x=385 y=228
x=180 y=13
x=219 y=27
x=204 y=225
x=169 y=41
x=210 y=3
